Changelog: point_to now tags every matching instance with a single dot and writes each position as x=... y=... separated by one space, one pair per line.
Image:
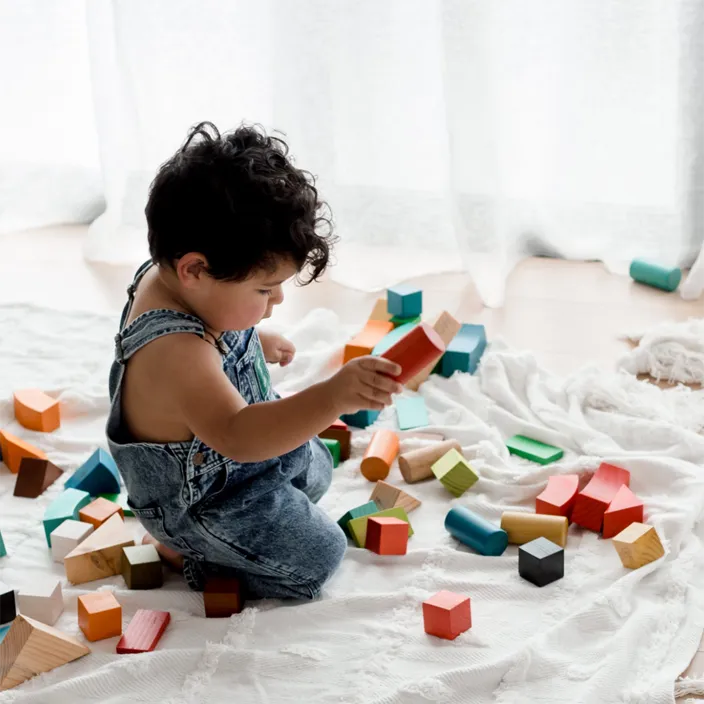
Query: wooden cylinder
x=380 y=454
x=417 y=464
x=414 y=351
x=473 y=530
x=524 y=527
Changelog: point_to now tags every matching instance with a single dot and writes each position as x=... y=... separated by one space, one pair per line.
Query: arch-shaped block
x=559 y=496
x=36 y=410
x=594 y=499
x=97 y=475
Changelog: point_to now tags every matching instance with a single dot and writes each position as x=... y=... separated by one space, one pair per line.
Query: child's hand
x=364 y=382
x=277 y=349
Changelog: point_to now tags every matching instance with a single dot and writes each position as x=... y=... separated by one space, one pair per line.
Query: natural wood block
x=144 y=632
x=64 y=507
x=594 y=499
x=36 y=410
x=417 y=465
x=121 y=501
x=43 y=601
x=98 y=511
x=97 y=475
x=380 y=454
x=415 y=351
x=68 y=536
x=404 y=300
x=558 y=497
x=14 y=449
x=334 y=449
x=340 y=432
x=446 y=327
x=626 y=508
x=366 y=340
x=100 y=554
x=638 y=545
x=465 y=350
x=387 y=535
x=99 y=615
x=454 y=472
x=31 y=647
x=447 y=614
x=34 y=477
x=541 y=562
x=222 y=597
x=524 y=527
x=387 y=496
x=365 y=510
x=380 y=312
x=411 y=413
x=8 y=604
x=357 y=527
x=533 y=450
x=141 y=567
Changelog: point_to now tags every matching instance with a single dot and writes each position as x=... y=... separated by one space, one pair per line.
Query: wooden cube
x=387 y=536
x=638 y=545
x=8 y=604
x=97 y=475
x=447 y=614
x=64 y=507
x=144 y=631
x=454 y=472
x=99 y=615
x=334 y=450
x=98 y=511
x=541 y=562
x=222 y=597
x=67 y=537
x=141 y=567
x=34 y=477
x=387 y=496
x=404 y=300
x=36 y=410
x=465 y=350
x=43 y=601
x=357 y=527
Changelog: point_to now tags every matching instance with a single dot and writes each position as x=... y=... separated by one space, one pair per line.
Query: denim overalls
x=257 y=521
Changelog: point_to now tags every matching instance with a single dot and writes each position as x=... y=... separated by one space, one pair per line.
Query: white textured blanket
x=602 y=634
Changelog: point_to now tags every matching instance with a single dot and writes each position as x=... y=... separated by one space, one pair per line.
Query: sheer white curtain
x=446 y=134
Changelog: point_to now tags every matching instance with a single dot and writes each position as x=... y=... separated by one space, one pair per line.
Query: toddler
x=222 y=472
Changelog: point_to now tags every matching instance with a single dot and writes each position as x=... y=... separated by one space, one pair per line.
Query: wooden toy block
x=121 y=501
x=476 y=532
x=366 y=340
x=3 y=632
x=34 y=477
x=392 y=338
x=594 y=499
x=541 y=562
x=100 y=554
x=447 y=614
x=99 y=615
x=97 y=475
x=465 y=350
x=626 y=508
x=412 y=413
x=414 y=351
x=98 y=511
x=43 y=601
x=638 y=545
x=357 y=527
x=397 y=320
x=30 y=648
x=8 y=604
x=533 y=450
x=361 y=419
x=367 y=509
x=558 y=497
x=404 y=300
x=388 y=496
x=222 y=597
x=67 y=536
x=454 y=472
x=417 y=465
x=144 y=632
x=141 y=567
x=524 y=527
x=334 y=449
x=14 y=449
x=380 y=311
x=387 y=535
x=36 y=410
x=3 y=550
x=380 y=454
x=65 y=506
x=446 y=327
x=340 y=432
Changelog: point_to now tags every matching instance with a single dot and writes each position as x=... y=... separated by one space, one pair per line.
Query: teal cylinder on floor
x=476 y=532
x=655 y=275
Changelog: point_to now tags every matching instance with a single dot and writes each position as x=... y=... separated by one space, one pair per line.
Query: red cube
x=447 y=614
x=387 y=535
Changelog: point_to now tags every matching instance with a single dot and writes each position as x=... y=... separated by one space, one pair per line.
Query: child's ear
x=191 y=268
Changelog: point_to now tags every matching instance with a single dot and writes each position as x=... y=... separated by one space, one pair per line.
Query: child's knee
x=324 y=557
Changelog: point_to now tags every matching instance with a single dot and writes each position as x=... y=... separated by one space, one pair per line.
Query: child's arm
x=277 y=349
x=214 y=410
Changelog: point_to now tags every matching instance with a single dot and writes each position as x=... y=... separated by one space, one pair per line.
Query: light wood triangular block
x=638 y=545
x=389 y=496
x=30 y=647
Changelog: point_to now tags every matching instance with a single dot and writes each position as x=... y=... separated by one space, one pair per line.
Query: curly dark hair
x=238 y=200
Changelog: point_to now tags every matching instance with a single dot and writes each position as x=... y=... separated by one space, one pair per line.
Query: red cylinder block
x=414 y=351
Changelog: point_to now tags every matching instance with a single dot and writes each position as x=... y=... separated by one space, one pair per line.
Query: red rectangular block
x=595 y=498
x=144 y=632
x=415 y=350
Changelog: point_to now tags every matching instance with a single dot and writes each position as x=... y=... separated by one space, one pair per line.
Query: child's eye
x=266 y=291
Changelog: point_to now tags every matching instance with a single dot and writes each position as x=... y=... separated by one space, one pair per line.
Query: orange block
x=366 y=341
x=37 y=411
x=594 y=499
x=559 y=495
x=380 y=454
x=98 y=511
x=447 y=614
x=387 y=535
x=415 y=350
x=15 y=450
x=99 y=615
x=626 y=508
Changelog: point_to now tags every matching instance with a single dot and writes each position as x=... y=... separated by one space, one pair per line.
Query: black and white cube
x=541 y=561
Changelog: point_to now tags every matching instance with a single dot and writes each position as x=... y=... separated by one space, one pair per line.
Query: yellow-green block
x=357 y=527
x=454 y=473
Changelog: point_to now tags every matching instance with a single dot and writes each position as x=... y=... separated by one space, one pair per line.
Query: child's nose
x=277 y=295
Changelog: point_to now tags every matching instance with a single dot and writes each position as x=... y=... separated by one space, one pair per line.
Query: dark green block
x=533 y=450
x=334 y=449
x=363 y=510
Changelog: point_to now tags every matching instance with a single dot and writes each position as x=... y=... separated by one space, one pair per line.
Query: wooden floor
x=567 y=313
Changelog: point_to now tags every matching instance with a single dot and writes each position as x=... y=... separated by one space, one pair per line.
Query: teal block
x=476 y=532
x=3 y=552
x=404 y=301
x=66 y=505
x=665 y=278
x=392 y=338
x=465 y=350
x=121 y=501
x=97 y=475
x=360 y=419
x=411 y=413
x=334 y=449
x=363 y=510
x=533 y=450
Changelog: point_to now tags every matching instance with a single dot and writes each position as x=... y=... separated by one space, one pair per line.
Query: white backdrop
x=448 y=134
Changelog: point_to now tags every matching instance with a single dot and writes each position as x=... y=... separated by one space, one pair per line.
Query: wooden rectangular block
x=13 y=450
x=446 y=326
x=34 y=477
x=98 y=511
x=358 y=526
x=340 y=432
x=446 y=615
x=365 y=510
x=465 y=350
x=638 y=545
x=404 y=300
x=99 y=615
x=366 y=340
x=141 y=567
x=144 y=632
x=533 y=450
x=412 y=413
x=36 y=410
x=386 y=496
x=334 y=450
x=43 y=601
x=455 y=473
x=8 y=604
x=387 y=535
x=593 y=501
x=417 y=465
x=68 y=536
x=222 y=597
x=541 y=562
x=64 y=507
